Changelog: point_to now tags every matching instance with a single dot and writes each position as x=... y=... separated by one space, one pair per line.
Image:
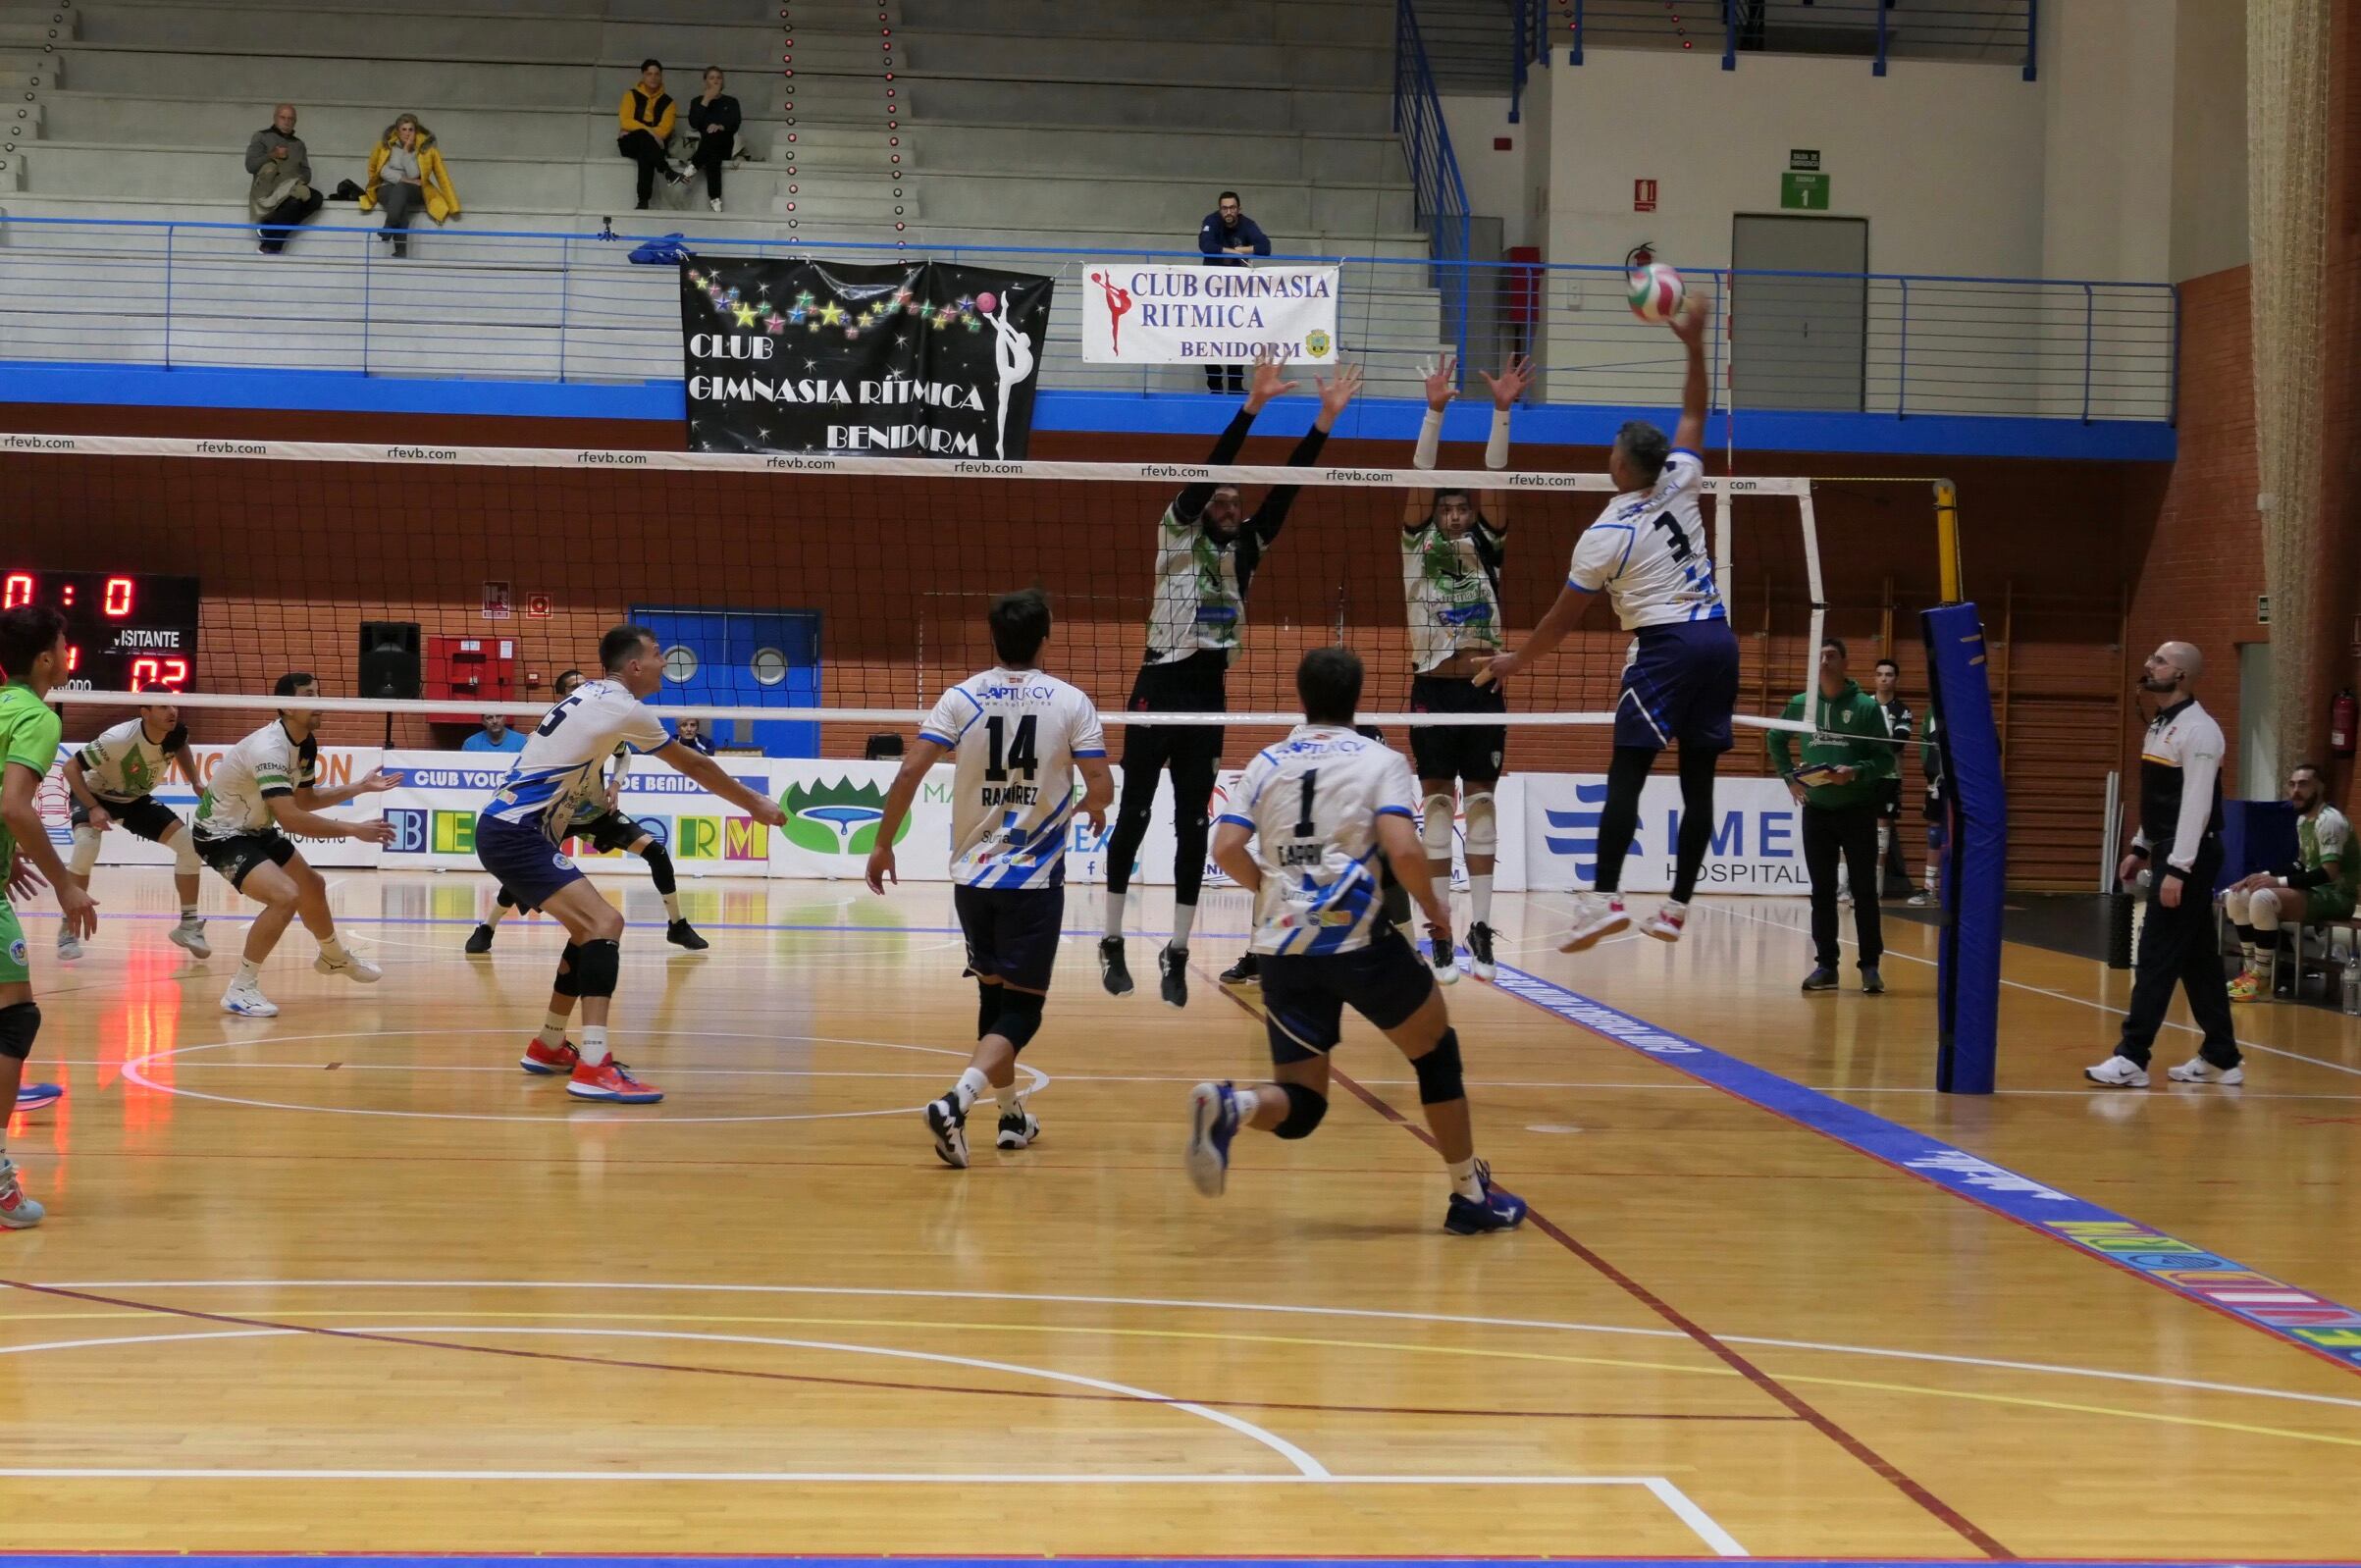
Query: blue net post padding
x=1975 y=864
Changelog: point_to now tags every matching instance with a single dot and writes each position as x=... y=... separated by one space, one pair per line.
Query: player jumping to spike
x=518 y=831
x=1648 y=551
x=1019 y=737
x=1324 y=805
x=112 y=780
x=1207 y=550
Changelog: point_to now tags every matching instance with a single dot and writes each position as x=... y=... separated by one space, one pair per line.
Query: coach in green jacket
x=1837 y=785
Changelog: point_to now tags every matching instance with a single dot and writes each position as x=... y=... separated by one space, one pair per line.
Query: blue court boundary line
x=2309 y=1322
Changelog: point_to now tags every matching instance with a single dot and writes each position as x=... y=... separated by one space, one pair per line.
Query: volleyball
x=1656 y=293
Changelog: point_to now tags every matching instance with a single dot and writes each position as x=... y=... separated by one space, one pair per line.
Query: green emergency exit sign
x=1804 y=192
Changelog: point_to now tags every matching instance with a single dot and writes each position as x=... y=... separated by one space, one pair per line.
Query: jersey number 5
x=1020 y=758
x=556 y=715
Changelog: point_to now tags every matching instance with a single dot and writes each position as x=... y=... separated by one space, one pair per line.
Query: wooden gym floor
x=346 y=1281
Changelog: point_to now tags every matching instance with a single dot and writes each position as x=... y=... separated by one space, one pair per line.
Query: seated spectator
x=405 y=174
x=1227 y=237
x=713 y=115
x=647 y=115
x=281 y=196
x=495 y=736
x=690 y=733
x=2318 y=886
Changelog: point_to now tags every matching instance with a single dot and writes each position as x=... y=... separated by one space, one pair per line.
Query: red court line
x=1794 y=1402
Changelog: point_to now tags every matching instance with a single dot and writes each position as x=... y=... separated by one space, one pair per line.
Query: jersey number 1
x=1303 y=813
x=1021 y=757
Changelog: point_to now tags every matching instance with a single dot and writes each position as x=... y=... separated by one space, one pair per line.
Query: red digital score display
x=125 y=631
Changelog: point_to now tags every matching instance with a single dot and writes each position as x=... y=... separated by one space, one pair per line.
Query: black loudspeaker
x=390 y=659
x=882 y=748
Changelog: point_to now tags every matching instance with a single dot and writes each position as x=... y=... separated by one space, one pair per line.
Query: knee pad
x=185 y=862
x=85 y=851
x=987 y=1007
x=2234 y=905
x=1305 y=1108
x=660 y=868
x=569 y=972
x=507 y=901
x=1437 y=1071
x=1020 y=1017
x=1435 y=826
x=1483 y=825
x=17 y=1026
x=2264 y=907
x=597 y=967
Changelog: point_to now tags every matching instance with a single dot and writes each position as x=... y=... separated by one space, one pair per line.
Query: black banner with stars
x=901 y=359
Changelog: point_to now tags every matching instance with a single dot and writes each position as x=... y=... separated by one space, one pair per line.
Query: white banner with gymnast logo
x=1153 y=313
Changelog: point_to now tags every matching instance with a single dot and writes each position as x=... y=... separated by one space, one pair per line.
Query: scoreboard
x=123 y=630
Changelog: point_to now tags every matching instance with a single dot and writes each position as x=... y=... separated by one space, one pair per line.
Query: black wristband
x=2139 y=852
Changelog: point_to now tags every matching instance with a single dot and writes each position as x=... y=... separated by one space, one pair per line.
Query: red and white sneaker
x=1668 y=921
x=1597 y=915
x=550 y=1061
x=611 y=1082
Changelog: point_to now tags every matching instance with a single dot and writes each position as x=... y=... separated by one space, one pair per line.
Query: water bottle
x=2352 y=982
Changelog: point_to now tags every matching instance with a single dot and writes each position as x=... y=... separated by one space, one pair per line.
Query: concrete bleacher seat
x=1045 y=124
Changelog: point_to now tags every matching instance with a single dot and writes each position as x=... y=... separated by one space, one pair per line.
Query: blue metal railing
x=571 y=307
x=1440 y=195
x=1998 y=30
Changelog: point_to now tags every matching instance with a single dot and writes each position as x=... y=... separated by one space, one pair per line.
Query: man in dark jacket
x=1227 y=237
x=1896 y=880
x=1838 y=784
x=281 y=195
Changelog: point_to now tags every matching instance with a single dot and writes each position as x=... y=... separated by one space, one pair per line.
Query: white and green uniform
x=1199 y=601
x=1453 y=587
x=123 y=764
x=264 y=766
x=29 y=738
x=2319 y=840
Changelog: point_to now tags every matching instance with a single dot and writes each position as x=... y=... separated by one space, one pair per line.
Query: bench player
x=112 y=780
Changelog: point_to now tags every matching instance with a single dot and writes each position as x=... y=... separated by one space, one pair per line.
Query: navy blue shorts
x=1681 y=685
x=527 y=864
x=1011 y=933
x=1305 y=994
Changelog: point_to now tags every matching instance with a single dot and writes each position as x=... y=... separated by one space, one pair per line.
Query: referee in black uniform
x=2179 y=809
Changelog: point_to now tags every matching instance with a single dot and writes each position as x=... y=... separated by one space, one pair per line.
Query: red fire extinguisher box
x=469 y=669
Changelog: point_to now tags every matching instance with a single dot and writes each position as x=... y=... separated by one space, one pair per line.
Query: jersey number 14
x=1020 y=758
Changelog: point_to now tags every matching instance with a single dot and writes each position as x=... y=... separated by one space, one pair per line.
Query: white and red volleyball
x=1656 y=293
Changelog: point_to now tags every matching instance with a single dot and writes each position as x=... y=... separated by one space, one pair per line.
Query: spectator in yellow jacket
x=407 y=172
x=646 y=117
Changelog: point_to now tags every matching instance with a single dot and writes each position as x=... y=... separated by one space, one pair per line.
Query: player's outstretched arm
x=1268 y=381
x=716 y=781
x=291 y=812
x=1696 y=390
x=313 y=798
x=24 y=824
x=1231 y=853
x=1553 y=630
x=1398 y=837
x=922 y=755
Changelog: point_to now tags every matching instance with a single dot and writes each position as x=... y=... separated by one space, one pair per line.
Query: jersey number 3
x=1020 y=758
x=1676 y=538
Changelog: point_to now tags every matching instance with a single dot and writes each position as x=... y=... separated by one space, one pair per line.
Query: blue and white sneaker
x=247 y=1001
x=1500 y=1210
x=38 y=1096
x=1212 y=1123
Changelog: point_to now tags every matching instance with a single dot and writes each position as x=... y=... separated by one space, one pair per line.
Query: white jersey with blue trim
x=560 y=770
x=1649 y=551
x=1014 y=736
x=1312 y=802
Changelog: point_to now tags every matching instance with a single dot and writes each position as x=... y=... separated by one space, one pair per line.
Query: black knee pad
x=19 y=1023
x=1437 y=1071
x=1305 y=1108
x=660 y=868
x=508 y=900
x=987 y=1007
x=569 y=972
x=597 y=966
x=1020 y=1017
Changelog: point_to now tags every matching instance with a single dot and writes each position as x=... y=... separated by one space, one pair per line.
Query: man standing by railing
x=1227 y=237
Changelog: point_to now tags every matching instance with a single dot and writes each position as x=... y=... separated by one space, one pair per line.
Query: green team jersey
x=2329 y=837
x=29 y=738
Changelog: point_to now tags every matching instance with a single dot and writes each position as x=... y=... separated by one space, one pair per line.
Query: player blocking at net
x=1649 y=552
x=607 y=828
x=1454 y=541
x=1322 y=807
x=1207 y=550
x=264 y=788
x=113 y=781
x=518 y=831
x=1017 y=737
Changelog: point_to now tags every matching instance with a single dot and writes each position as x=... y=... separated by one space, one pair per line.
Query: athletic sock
x=331 y=948
x=1114 y=914
x=553 y=1029
x=1248 y=1102
x=249 y=972
x=1464 y=1181
x=189 y=915
x=1479 y=898
x=1184 y=918
x=593 y=1046
x=971 y=1087
x=672 y=906
x=498 y=910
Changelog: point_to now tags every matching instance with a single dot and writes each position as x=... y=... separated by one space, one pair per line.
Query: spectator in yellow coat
x=646 y=118
x=405 y=174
